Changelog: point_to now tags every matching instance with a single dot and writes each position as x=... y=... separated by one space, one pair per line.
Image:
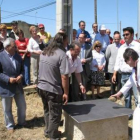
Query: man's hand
x=82 y=88
x=65 y=98
x=12 y=80
x=37 y=52
x=117 y=95
x=100 y=68
x=83 y=61
x=19 y=79
x=114 y=78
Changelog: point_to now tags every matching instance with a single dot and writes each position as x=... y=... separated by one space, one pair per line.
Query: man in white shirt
x=121 y=65
x=75 y=68
x=132 y=59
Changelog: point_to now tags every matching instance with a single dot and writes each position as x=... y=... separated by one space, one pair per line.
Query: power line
x=30 y=10
x=29 y=15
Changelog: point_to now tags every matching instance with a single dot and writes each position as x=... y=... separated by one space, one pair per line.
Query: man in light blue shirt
x=94 y=32
x=102 y=37
x=81 y=29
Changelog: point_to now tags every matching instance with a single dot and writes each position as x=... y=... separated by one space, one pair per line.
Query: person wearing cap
x=12 y=34
x=103 y=38
x=47 y=35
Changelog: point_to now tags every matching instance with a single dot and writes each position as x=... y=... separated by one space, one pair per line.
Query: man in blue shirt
x=102 y=37
x=81 y=29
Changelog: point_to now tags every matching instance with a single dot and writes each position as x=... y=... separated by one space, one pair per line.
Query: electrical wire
x=30 y=10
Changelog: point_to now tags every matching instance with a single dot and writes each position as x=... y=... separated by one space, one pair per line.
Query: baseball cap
x=102 y=27
x=40 y=25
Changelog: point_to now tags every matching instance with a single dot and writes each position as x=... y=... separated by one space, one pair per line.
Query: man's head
x=102 y=30
x=9 y=46
x=128 y=34
x=95 y=27
x=62 y=30
x=74 y=34
x=14 y=25
x=108 y=32
x=82 y=25
x=75 y=48
x=41 y=28
x=131 y=57
x=82 y=38
x=116 y=32
x=117 y=38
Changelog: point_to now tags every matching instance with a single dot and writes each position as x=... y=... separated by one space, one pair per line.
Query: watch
x=80 y=84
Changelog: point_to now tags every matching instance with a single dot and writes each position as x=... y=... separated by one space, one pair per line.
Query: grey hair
x=74 y=42
x=7 y=42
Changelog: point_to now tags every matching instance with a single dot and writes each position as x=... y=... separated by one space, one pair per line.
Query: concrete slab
x=92 y=110
x=96 y=120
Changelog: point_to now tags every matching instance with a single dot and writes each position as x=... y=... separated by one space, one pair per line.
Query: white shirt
x=120 y=63
x=2 y=38
x=98 y=59
x=33 y=45
x=132 y=81
x=74 y=66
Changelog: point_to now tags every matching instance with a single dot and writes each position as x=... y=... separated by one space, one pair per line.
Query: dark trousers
x=74 y=91
x=52 y=104
x=117 y=84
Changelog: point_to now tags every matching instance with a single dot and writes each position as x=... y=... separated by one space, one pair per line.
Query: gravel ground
x=35 y=122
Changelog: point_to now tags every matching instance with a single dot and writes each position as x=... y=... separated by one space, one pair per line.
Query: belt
x=126 y=73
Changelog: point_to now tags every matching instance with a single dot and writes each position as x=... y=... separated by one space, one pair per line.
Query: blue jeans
x=128 y=96
x=26 y=80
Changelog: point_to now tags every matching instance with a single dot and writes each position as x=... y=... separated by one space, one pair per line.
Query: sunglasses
x=125 y=35
x=97 y=46
x=41 y=28
x=95 y=26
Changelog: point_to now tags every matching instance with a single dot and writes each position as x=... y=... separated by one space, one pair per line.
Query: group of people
x=65 y=72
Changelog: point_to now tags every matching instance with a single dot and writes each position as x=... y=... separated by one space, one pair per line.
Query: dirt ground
x=35 y=122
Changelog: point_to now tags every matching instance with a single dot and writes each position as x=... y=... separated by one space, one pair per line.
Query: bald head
x=117 y=38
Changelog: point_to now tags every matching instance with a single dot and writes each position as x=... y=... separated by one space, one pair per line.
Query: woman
x=3 y=32
x=21 y=44
x=34 y=49
x=97 y=68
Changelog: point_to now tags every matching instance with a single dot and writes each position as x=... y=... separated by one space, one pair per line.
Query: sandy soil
x=35 y=121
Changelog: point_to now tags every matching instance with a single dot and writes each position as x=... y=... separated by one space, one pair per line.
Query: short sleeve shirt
x=50 y=70
x=74 y=66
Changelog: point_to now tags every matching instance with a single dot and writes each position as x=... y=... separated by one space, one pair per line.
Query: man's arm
x=107 y=53
x=65 y=85
x=90 y=57
x=78 y=77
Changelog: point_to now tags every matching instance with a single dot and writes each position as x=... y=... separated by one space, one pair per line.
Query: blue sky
x=82 y=10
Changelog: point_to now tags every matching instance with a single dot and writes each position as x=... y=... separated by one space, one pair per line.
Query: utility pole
x=120 y=27
x=117 y=17
x=64 y=17
x=95 y=11
x=138 y=24
x=0 y=14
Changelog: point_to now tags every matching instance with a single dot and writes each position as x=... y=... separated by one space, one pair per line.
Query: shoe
x=130 y=117
x=99 y=96
x=89 y=93
x=10 y=131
